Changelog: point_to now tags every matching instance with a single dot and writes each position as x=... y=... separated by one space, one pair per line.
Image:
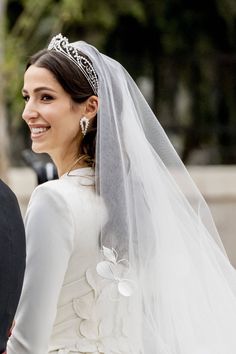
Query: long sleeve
x=49 y=236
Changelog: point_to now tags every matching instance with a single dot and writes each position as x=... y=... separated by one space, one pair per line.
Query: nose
x=29 y=112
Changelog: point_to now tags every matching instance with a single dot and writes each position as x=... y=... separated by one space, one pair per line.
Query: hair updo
x=76 y=85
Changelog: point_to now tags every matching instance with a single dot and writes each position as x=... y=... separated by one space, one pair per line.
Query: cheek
x=74 y=130
x=68 y=129
x=50 y=115
x=64 y=123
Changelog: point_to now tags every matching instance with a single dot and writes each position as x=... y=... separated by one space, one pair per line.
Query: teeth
x=38 y=130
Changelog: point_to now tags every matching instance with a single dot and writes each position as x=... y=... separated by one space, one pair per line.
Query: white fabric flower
x=116 y=270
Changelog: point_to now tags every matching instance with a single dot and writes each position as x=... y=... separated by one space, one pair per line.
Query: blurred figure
x=12 y=260
x=44 y=169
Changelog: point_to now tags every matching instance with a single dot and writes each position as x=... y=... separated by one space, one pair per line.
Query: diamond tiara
x=62 y=45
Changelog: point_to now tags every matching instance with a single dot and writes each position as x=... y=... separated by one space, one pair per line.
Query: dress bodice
x=66 y=306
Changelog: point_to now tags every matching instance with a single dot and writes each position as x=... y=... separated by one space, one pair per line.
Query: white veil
x=183 y=286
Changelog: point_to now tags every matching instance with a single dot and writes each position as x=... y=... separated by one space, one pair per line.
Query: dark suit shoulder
x=6 y=194
x=11 y=223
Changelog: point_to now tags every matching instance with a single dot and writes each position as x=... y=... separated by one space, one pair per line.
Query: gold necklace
x=75 y=163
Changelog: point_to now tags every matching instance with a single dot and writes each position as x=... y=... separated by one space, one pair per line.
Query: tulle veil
x=180 y=282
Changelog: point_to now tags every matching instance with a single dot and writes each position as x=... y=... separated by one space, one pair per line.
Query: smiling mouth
x=36 y=132
x=39 y=130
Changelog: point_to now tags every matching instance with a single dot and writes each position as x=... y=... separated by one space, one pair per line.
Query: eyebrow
x=38 y=89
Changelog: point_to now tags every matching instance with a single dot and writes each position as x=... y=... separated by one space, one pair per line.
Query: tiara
x=62 y=45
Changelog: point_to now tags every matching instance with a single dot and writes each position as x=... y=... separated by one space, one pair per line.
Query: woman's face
x=51 y=115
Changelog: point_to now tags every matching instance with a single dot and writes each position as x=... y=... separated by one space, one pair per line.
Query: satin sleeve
x=49 y=237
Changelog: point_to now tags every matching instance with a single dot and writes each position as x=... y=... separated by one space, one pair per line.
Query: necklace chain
x=74 y=164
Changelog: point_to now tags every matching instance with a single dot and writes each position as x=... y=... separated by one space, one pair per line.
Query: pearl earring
x=84 y=123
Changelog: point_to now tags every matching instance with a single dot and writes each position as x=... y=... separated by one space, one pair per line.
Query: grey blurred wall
x=218 y=186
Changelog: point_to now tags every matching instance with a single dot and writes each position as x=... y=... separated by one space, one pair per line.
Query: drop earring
x=84 y=123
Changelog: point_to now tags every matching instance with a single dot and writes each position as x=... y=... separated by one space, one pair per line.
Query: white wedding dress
x=64 y=307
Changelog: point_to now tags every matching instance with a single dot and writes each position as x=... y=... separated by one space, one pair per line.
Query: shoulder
x=55 y=186
x=52 y=193
x=6 y=194
x=67 y=196
x=63 y=195
x=4 y=188
x=11 y=223
x=49 y=214
x=9 y=203
x=71 y=190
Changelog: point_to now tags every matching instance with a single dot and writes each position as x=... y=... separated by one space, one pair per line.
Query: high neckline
x=82 y=171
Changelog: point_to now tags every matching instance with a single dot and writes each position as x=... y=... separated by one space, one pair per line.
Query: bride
x=123 y=256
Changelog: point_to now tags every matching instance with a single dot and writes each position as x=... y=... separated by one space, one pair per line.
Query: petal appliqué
x=91 y=279
x=110 y=254
x=83 y=306
x=106 y=270
x=126 y=287
x=89 y=329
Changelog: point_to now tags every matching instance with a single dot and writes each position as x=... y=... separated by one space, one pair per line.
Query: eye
x=46 y=98
x=25 y=98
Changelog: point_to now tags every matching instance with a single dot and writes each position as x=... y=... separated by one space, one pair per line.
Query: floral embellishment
x=100 y=332
x=116 y=270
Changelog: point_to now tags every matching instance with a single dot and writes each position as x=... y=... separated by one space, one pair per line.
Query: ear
x=91 y=107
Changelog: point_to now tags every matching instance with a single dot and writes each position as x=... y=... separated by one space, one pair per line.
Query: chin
x=38 y=149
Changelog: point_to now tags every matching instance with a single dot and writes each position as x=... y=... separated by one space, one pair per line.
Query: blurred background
x=181 y=53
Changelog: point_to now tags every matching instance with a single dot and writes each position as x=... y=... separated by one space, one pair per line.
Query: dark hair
x=76 y=85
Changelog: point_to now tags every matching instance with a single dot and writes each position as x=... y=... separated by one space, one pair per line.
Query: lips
x=38 y=131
